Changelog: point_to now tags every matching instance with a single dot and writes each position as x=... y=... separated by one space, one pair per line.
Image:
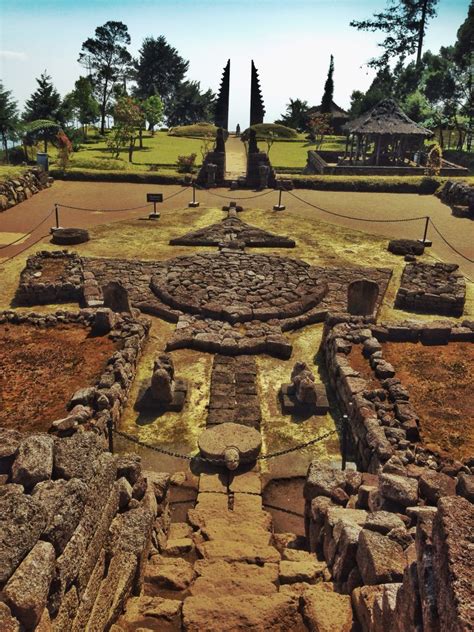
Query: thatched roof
x=386 y=118
x=336 y=111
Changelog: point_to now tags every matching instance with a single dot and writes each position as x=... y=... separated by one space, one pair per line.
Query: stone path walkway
x=225 y=570
x=235 y=157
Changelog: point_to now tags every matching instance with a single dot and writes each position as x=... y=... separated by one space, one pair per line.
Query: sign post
x=155 y=198
x=193 y=203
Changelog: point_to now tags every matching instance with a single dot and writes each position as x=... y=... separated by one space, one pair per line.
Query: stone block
x=380 y=560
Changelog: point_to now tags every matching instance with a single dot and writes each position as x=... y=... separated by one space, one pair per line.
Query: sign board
x=154 y=197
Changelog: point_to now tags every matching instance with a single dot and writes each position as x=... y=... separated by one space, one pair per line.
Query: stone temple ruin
x=87 y=539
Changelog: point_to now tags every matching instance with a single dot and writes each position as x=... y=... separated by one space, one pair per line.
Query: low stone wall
x=66 y=287
x=96 y=407
x=77 y=526
x=433 y=288
x=16 y=190
x=382 y=422
x=398 y=543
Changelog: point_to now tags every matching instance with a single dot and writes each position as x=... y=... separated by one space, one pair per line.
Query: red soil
x=40 y=369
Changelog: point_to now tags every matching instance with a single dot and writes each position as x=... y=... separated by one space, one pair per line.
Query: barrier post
x=279 y=206
x=426 y=242
x=56 y=214
x=110 y=437
x=193 y=203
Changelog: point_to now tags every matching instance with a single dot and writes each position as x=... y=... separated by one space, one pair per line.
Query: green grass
x=10 y=171
x=161 y=150
x=294 y=154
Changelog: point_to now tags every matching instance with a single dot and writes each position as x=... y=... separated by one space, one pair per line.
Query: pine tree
x=45 y=104
x=404 y=22
x=326 y=102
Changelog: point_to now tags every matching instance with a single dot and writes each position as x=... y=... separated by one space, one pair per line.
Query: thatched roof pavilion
x=339 y=117
x=393 y=136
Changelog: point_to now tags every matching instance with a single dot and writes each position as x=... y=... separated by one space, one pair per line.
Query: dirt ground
x=439 y=379
x=41 y=368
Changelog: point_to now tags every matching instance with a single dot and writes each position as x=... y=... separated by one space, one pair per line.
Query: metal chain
x=188 y=457
x=226 y=197
x=121 y=210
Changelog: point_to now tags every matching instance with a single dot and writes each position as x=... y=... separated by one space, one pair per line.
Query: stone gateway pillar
x=362 y=297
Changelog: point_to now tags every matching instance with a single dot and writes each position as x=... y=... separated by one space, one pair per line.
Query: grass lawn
x=160 y=149
x=294 y=153
x=10 y=171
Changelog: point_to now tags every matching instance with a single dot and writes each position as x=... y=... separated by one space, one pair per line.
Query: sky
x=290 y=41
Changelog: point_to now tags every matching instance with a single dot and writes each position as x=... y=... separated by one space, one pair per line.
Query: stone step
x=238 y=551
x=218 y=577
x=276 y=612
x=151 y=613
x=172 y=573
x=177 y=547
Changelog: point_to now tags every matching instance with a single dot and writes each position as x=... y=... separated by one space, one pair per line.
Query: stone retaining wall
x=454 y=192
x=433 y=288
x=77 y=525
x=67 y=287
x=16 y=190
x=398 y=543
x=376 y=438
x=95 y=407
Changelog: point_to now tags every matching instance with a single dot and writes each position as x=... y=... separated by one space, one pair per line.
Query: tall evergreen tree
x=159 y=70
x=45 y=104
x=326 y=102
x=107 y=60
x=8 y=118
x=404 y=22
x=190 y=105
x=464 y=58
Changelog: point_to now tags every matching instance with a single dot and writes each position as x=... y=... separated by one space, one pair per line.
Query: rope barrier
x=188 y=457
x=120 y=210
x=360 y=219
x=30 y=232
x=450 y=245
x=4 y=261
x=227 y=197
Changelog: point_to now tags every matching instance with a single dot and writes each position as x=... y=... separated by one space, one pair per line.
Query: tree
x=464 y=58
x=128 y=117
x=319 y=125
x=8 y=118
x=296 y=115
x=326 y=102
x=107 y=60
x=153 y=110
x=44 y=104
x=404 y=22
x=382 y=87
x=86 y=106
x=159 y=69
x=190 y=105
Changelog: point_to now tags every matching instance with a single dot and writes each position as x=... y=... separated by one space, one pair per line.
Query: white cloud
x=11 y=54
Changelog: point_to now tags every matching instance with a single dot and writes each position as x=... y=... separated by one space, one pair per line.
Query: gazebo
x=339 y=117
x=385 y=136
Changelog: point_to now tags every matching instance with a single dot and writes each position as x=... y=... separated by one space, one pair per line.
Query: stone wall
x=382 y=422
x=457 y=193
x=37 y=287
x=98 y=406
x=77 y=524
x=433 y=288
x=16 y=190
x=397 y=542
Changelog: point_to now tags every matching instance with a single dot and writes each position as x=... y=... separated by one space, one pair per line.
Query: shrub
x=64 y=150
x=274 y=130
x=186 y=163
x=197 y=130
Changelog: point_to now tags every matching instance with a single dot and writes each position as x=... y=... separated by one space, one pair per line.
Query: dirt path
x=236 y=160
x=27 y=215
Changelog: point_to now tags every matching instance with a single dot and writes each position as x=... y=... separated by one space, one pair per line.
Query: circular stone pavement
x=239 y=287
x=214 y=441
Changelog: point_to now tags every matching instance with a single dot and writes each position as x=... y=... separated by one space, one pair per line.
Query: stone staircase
x=224 y=570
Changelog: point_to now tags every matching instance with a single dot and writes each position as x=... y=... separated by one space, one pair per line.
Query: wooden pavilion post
x=377 y=154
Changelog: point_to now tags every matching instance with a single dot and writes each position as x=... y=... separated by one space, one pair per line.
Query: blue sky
x=290 y=42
